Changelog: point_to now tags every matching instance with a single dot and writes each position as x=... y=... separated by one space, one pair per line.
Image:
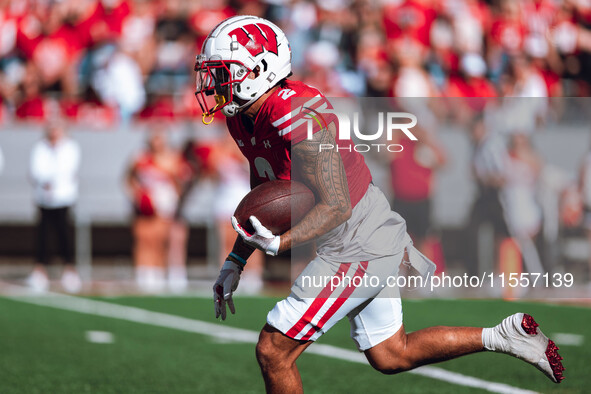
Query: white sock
x=488 y=338
x=496 y=338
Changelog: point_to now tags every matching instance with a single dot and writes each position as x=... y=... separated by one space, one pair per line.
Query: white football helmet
x=241 y=59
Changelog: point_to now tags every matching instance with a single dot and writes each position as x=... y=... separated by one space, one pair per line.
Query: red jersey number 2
x=262 y=165
x=286 y=93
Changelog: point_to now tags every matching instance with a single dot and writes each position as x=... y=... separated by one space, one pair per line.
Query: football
x=277 y=204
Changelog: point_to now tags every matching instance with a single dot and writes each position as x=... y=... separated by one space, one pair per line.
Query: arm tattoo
x=323 y=172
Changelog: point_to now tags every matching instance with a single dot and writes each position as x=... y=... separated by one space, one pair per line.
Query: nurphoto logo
x=388 y=124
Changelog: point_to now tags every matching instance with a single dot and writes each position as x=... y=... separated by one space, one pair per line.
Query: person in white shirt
x=54 y=164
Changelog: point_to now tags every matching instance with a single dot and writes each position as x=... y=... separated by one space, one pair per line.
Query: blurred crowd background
x=102 y=61
x=504 y=180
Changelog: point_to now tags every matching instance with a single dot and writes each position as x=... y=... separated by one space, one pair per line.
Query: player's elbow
x=332 y=215
x=347 y=212
x=341 y=213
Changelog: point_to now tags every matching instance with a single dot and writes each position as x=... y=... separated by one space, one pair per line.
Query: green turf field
x=44 y=350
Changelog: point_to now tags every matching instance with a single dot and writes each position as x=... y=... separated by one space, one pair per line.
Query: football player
x=243 y=72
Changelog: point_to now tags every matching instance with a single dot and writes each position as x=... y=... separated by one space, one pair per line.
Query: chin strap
x=219 y=101
x=210 y=119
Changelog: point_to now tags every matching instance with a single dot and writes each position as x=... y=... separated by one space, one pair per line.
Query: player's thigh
x=316 y=301
x=377 y=320
x=325 y=292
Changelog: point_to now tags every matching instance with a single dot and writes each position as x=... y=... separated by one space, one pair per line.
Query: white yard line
x=430 y=372
x=225 y=333
x=566 y=339
x=99 y=337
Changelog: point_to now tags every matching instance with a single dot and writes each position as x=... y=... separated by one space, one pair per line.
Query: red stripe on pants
x=360 y=272
x=316 y=304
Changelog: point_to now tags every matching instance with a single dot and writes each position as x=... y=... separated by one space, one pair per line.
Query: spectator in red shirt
x=412 y=179
x=411 y=18
x=206 y=15
x=470 y=82
x=32 y=105
x=508 y=31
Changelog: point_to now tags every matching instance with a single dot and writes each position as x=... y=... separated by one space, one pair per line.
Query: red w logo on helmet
x=255 y=37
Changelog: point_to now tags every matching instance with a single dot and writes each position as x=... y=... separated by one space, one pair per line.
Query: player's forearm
x=241 y=249
x=320 y=220
x=324 y=173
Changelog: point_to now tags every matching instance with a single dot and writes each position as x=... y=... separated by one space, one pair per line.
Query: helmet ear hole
x=256 y=72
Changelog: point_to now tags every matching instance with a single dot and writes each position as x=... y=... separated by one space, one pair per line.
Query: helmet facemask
x=215 y=84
